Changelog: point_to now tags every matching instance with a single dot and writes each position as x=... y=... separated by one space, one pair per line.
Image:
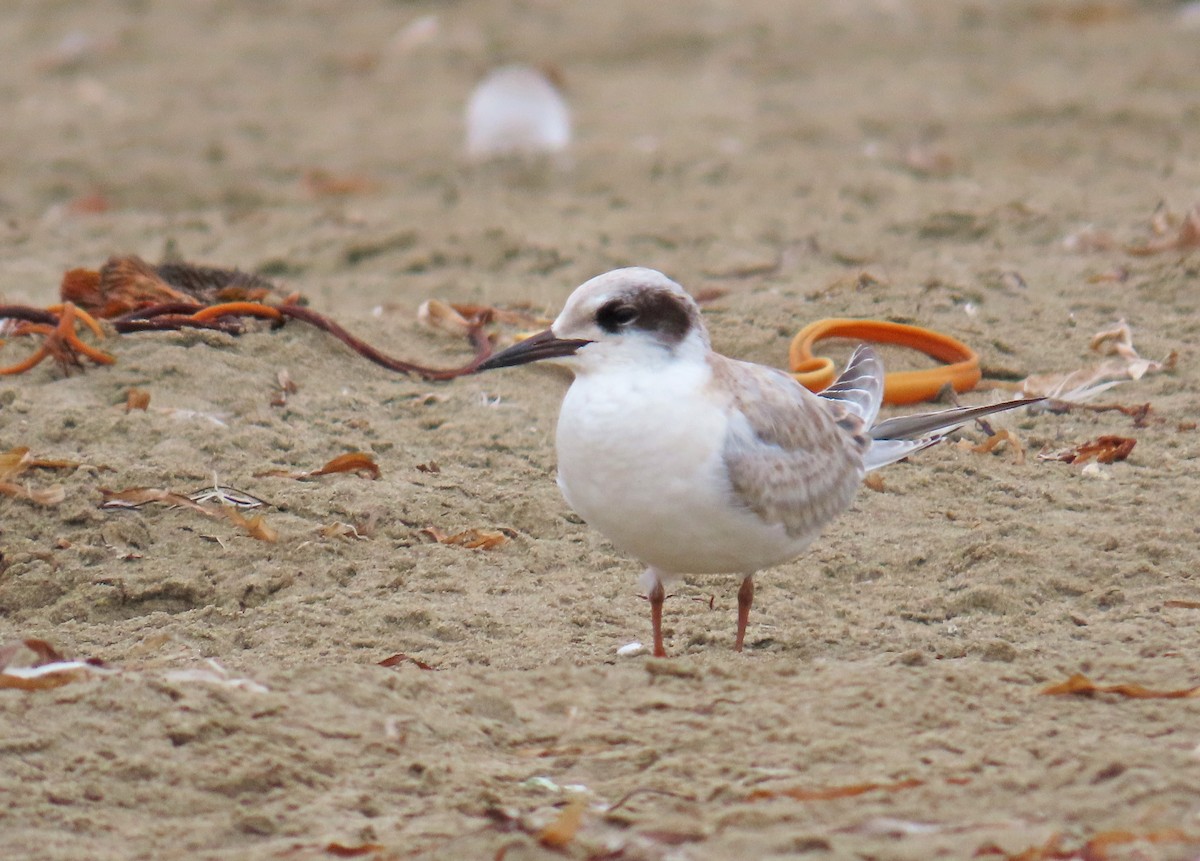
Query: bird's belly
x=650 y=475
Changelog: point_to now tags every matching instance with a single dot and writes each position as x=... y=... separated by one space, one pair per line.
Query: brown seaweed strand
x=30 y=315
x=158 y=310
x=476 y=335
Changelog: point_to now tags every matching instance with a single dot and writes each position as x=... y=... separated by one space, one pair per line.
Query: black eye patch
x=615 y=315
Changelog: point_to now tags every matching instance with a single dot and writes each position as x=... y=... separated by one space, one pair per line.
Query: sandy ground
x=922 y=162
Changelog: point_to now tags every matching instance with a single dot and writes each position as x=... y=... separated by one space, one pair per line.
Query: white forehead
x=596 y=291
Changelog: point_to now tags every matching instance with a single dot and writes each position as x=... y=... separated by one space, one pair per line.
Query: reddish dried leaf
x=1186 y=239
x=1001 y=436
x=672 y=838
x=1096 y=849
x=1051 y=850
x=1186 y=605
x=88 y=204
x=1083 y=686
x=48 y=669
x=709 y=294
x=46 y=653
x=401 y=658
x=356 y=461
x=38 y=463
x=42 y=682
x=472 y=539
x=1104 y=449
x=338 y=529
x=323 y=183
x=339 y=850
x=46 y=496
x=14 y=462
x=136 y=399
x=826 y=793
x=559 y=833
x=255 y=526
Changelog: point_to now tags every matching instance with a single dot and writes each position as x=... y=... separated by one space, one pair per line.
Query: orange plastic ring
x=900 y=387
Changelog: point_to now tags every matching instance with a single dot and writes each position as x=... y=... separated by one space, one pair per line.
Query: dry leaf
x=286 y=386
x=1186 y=238
x=44 y=677
x=1104 y=449
x=1095 y=849
x=14 y=462
x=1182 y=604
x=216 y=674
x=255 y=526
x=473 y=539
x=48 y=496
x=47 y=669
x=339 y=850
x=708 y=295
x=831 y=792
x=490 y=313
x=1085 y=383
x=356 y=461
x=338 y=529
x=401 y=658
x=323 y=183
x=874 y=481
x=1001 y=436
x=1083 y=686
x=559 y=833
x=136 y=399
x=436 y=314
x=1115 y=341
x=44 y=653
x=136 y=497
x=17 y=461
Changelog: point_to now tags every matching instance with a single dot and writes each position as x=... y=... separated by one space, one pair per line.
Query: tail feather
x=860 y=386
x=896 y=438
x=921 y=424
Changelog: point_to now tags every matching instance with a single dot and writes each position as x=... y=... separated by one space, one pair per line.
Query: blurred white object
x=418 y=32
x=516 y=111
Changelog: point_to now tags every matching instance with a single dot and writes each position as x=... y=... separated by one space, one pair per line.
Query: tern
x=695 y=463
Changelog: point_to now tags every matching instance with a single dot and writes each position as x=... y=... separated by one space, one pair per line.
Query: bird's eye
x=615 y=315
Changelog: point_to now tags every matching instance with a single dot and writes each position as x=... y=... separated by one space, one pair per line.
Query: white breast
x=640 y=458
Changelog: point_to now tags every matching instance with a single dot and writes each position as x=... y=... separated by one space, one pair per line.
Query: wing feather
x=792 y=458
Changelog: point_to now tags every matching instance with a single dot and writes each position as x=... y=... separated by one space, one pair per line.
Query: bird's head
x=633 y=316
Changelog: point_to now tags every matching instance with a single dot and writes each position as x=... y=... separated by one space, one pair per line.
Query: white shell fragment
x=629 y=650
x=516 y=111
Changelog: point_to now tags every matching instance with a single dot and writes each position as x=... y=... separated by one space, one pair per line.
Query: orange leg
x=657 y=596
x=745 y=601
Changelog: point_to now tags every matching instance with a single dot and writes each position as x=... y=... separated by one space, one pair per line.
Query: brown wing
x=792 y=458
